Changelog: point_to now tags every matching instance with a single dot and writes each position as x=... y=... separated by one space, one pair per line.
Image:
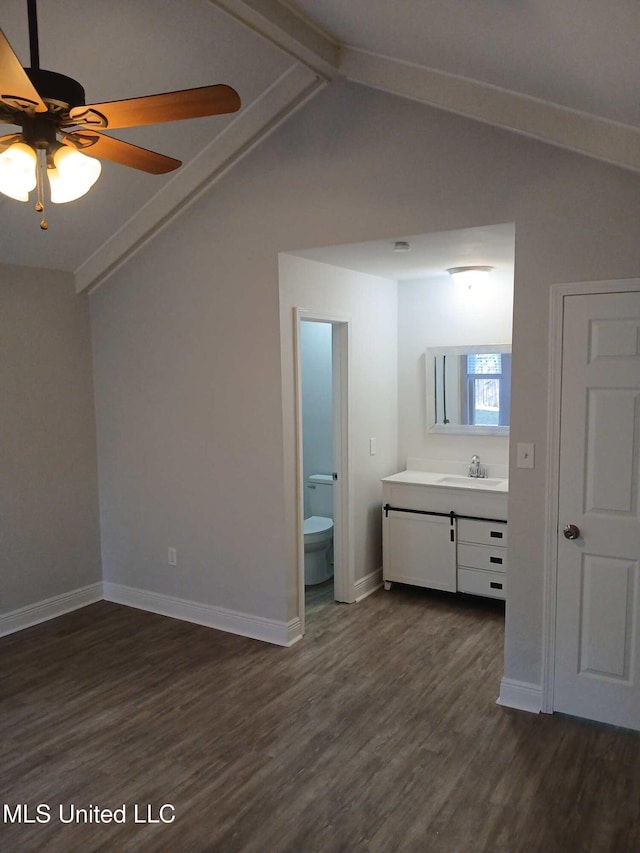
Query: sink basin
x=469 y=482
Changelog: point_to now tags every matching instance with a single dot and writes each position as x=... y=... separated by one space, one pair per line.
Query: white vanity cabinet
x=443 y=536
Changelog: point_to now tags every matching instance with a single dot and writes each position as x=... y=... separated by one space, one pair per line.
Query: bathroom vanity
x=445 y=531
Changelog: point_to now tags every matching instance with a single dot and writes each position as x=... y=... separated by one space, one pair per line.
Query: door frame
x=344 y=575
x=558 y=294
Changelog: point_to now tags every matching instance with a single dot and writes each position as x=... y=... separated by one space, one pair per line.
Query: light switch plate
x=526 y=455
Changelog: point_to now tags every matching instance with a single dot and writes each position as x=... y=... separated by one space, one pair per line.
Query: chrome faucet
x=475 y=468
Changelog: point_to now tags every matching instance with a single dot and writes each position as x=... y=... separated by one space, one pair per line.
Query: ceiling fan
x=58 y=129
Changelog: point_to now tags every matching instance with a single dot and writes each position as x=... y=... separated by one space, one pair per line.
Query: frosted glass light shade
x=469 y=276
x=73 y=176
x=18 y=171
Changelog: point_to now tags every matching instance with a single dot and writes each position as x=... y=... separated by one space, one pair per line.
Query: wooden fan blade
x=16 y=89
x=96 y=144
x=153 y=109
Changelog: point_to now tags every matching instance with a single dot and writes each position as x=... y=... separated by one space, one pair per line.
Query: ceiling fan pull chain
x=42 y=165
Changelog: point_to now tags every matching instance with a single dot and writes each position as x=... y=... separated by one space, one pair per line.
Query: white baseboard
x=42 y=611
x=294 y=631
x=368 y=584
x=256 y=627
x=521 y=695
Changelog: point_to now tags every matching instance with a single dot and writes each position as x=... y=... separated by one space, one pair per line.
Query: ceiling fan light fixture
x=73 y=174
x=18 y=171
x=57 y=124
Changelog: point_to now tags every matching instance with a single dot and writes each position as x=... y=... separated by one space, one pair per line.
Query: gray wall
x=48 y=475
x=187 y=339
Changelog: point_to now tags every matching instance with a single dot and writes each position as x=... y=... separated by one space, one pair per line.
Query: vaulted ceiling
x=564 y=71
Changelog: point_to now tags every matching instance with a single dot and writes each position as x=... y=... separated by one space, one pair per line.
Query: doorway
x=322 y=392
x=393 y=305
x=592 y=660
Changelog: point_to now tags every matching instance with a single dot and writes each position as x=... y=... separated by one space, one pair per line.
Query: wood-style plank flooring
x=378 y=732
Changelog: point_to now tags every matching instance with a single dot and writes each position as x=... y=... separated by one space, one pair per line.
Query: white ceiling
x=569 y=55
x=429 y=256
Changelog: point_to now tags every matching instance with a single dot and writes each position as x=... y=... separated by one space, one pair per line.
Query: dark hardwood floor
x=378 y=732
x=318 y=596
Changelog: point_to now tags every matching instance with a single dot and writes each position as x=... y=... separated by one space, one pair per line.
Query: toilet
x=318 y=530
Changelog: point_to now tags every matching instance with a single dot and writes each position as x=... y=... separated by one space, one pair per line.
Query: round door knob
x=571 y=531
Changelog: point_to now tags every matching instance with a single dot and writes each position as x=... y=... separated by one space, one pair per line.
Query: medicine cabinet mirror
x=469 y=389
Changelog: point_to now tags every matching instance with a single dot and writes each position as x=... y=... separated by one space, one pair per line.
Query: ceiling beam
x=576 y=131
x=320 y=58
x=283 y=28
x=248 y=128
x=581 y=132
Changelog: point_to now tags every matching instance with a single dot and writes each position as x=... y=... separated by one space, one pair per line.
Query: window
x=487 y=384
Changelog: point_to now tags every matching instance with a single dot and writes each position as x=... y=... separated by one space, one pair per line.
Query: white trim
x=232 y=621
x=299 y=466
x=521 y=695
x=251 y=125
x=557 y=295
x=556 y=312
x=294 y=631
x=288 y=31
x=363 y=587
x=574 y=130
x=344 y=578
x=49 y=608
x=344 y=587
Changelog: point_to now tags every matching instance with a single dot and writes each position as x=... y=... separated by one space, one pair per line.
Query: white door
x=597 y=651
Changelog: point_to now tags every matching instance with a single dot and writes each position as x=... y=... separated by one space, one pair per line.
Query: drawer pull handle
x=496 y=534
x=496 y=560
x=495 y=585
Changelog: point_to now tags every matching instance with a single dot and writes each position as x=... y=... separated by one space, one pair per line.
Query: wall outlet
x=172 y=557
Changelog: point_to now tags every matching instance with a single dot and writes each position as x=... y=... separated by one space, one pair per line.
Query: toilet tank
x=321 y=495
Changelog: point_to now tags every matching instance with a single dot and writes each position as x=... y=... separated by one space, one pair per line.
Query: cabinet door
x=419 y=550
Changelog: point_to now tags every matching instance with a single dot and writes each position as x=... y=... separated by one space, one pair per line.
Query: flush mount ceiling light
x=58 y=128
x=469 y=276
x=401 y=246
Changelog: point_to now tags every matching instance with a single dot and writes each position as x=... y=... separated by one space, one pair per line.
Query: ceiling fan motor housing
x=39 y=131
x=60 y=92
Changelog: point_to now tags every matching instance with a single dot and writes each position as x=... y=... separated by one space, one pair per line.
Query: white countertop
x=449 y=481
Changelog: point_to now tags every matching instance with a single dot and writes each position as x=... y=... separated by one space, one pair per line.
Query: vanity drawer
x=482 y=532
x=482 y=557
x=490 y=584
